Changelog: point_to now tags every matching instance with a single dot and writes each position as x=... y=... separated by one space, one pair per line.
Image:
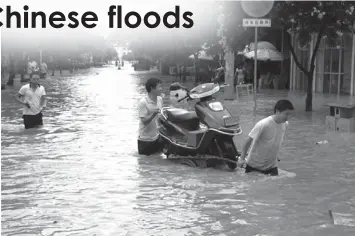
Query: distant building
x=334 y=66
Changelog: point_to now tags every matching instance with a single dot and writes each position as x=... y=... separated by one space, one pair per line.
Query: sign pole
x=256 y=9
x=255 y=71
x=40 y=56
x=256 y=23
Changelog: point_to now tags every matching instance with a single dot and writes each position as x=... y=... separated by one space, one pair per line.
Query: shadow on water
x=81 y=175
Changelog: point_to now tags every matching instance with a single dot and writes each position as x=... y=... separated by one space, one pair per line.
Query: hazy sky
x=101 y=8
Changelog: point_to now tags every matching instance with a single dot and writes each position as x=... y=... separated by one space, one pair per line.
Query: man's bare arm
x=20 y=100
x=149 y=118
x=43 y=101
x=246 y=147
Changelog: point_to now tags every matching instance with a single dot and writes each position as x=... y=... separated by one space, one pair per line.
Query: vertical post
x=331 y=71
x=282 y=62
x=255 y=70
x=320 y=65
x=339 y=67
x=40 y=56
x=229 y=75
x=352 y=81
x=315 y=63
x=292 y=65
x=294 y=68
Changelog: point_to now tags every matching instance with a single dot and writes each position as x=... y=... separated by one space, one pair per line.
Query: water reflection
x=81 y=175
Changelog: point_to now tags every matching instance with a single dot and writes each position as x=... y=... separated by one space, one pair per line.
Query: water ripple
x=81 y=175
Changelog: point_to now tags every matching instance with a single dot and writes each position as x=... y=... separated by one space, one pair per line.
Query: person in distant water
x=32 y=97
x=265 y=140
x=239 y=76
x=32 y=68
x=220 y=75
x=43 y=70
x=149 y=107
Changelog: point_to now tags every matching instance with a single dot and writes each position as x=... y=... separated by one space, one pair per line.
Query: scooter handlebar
x=187 y=96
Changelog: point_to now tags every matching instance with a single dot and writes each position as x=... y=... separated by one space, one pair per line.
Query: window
x=332 y=75
x=333 y=67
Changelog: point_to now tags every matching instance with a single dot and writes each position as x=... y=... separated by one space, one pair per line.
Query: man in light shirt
x=265 y=139
x=148 y=109
x=32 y=97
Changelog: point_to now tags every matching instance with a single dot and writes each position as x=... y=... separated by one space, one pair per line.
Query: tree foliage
x=320 y=19
x=304 y=19
x=59 y=45
x=180 y=43
x=233 y=36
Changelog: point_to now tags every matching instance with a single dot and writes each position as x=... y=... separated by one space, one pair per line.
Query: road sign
x=257 y=22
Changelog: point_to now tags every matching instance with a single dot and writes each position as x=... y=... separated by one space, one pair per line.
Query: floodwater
x=81 y=175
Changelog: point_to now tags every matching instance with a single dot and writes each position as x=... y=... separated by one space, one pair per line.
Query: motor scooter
x=203 y=137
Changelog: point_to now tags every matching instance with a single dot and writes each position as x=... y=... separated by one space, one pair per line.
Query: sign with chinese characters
x=256 y=22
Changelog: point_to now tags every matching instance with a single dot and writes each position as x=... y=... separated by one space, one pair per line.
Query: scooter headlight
x=216 y=106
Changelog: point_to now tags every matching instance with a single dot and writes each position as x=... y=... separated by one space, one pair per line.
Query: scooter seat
x=188 y=119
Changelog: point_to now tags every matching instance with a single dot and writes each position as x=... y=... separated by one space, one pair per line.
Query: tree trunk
x=312 y=67
x=11 y=81
x=178 y=73
x=184 y=73
x=309 y=97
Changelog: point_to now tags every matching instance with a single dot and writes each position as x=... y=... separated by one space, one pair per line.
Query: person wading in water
x=32 y=97
x=148 y=109
x=265 y=140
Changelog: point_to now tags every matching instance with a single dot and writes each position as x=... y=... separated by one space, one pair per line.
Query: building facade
x=334 y=66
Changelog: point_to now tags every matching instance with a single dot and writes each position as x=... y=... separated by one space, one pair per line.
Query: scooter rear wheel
x=188 y=162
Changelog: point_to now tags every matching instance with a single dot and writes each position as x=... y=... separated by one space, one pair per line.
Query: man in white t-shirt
x=148 y=109
x=265 y=140
x=32 y=97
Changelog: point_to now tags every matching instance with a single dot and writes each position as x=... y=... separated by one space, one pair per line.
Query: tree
x=56 y=46
x=233 y=36
x=322 y=19
x=111 y=53
x=194 y=44
x=179 y=44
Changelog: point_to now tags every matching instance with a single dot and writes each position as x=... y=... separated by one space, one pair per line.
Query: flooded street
x=81 y=175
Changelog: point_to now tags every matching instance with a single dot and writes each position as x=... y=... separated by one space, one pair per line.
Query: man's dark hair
x=152 y=83
x=283 y=105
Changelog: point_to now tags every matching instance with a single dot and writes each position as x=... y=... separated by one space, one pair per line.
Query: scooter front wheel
x=165 y=148
x=232 y=165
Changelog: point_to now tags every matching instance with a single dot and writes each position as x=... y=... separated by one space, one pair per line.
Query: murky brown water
x=81 y=175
